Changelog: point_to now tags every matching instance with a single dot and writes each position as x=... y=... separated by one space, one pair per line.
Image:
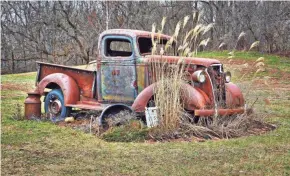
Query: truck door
x=118 y=70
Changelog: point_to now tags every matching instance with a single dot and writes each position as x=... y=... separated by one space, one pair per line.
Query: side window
x=118 y=48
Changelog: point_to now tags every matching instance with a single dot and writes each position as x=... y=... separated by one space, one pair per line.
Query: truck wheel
x=54 y=106
x=111 y=112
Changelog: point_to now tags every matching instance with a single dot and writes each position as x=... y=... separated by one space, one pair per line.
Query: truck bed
x=85 y=79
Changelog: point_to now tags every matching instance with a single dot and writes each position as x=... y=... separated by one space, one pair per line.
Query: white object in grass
x=151 y=116
x=69 y=119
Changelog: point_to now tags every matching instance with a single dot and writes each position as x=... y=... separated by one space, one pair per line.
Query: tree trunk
x=13 y=64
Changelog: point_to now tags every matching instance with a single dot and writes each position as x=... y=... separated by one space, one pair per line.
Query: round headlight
x=199 y=76
x=228 y=76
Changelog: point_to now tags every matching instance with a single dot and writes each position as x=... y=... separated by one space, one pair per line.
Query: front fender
x=193 y=98
x=142 y=99
x=234 y=96
x=67 y=84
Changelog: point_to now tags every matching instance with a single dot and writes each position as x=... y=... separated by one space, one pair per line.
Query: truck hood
x=188 y=60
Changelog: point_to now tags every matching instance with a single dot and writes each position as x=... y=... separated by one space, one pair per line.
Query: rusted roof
x=131 y=32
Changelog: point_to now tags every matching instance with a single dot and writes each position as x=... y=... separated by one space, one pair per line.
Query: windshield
x=145 y=47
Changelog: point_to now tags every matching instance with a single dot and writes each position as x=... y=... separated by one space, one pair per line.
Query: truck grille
x=218 y=82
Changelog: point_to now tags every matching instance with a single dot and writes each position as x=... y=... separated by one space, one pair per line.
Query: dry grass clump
x=169 y=76
x=221 y=127
x=227 y=126
x=168 y=95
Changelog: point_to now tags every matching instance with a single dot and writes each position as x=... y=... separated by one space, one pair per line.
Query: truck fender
x=234 y=96
x=67 y=84
x=192 y=97
x=113 y=109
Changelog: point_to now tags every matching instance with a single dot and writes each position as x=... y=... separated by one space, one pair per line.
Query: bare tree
x=67 y=32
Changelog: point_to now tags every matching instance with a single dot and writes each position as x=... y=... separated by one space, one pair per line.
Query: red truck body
x=123 y=77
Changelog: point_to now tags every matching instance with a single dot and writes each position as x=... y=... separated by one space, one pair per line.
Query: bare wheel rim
x=55 y=106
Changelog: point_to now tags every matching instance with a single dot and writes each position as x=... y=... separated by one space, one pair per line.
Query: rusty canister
x=32 y=105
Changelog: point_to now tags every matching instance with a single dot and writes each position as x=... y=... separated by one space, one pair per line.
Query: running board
x=87 y=106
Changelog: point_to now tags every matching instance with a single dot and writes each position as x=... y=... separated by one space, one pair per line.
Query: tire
x=54 y=106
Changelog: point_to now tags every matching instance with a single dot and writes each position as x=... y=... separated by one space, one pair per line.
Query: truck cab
x=123 y=74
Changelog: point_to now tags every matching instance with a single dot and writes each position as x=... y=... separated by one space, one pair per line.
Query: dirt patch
x=275 y=79
x=17 y=86
x=79 y=124
x=283 y=54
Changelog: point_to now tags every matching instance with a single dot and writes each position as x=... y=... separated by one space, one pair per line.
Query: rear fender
x=193 y=98
x=234 y=96
x=68 y=86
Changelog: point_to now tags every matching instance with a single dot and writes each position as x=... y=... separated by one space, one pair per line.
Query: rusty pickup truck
x=122 y=80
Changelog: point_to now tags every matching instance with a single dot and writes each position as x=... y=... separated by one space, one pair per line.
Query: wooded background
x=67 y=32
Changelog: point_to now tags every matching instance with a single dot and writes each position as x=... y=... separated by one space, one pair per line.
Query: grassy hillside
x=43 y=148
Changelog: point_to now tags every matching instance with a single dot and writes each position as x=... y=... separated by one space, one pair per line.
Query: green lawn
x=274 y=61
x=42 y=148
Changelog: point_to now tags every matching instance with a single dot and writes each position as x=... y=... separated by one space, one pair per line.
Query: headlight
x=199 y=76
x=228 y=76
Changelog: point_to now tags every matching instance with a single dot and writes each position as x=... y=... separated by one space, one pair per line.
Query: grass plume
x=169 y=77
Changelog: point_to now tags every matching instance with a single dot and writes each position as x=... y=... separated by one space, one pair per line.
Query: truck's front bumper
x=222 y=112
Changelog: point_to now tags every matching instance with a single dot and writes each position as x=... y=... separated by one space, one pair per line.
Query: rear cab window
x=145 y=46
